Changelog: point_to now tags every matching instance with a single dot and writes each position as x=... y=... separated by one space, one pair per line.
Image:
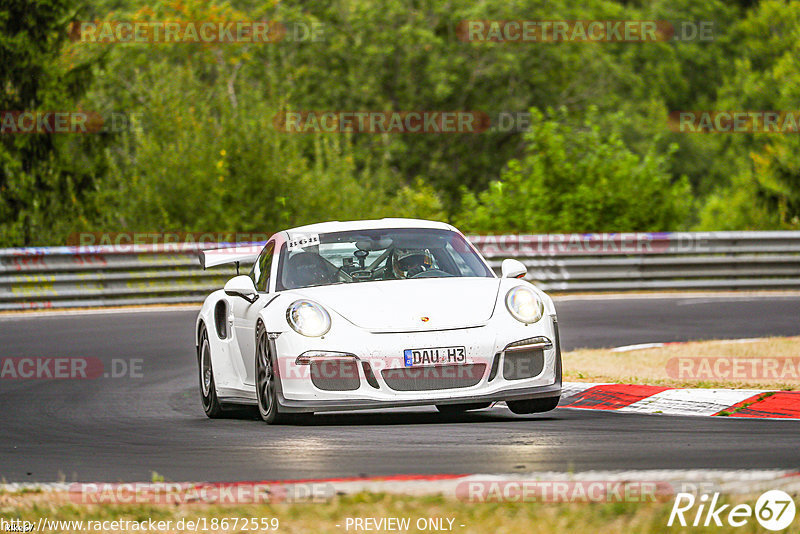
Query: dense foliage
x=202 y=152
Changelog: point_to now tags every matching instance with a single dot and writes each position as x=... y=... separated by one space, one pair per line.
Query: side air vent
x=221 y=319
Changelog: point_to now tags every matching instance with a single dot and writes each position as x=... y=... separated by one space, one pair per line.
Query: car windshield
x=308 y=260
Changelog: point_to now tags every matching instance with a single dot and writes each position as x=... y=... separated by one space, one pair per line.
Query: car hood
x=400 y=305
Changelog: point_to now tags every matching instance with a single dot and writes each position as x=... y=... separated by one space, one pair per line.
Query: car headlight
x=524 y=305
x=308 y=318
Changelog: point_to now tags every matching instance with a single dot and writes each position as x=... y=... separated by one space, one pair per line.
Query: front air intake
x=523 y=364
x=433 y=377
x=337 y=374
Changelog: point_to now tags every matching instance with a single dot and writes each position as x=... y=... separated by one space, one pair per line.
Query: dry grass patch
x=769 y=363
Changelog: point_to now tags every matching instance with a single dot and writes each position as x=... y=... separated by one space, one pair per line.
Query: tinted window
x=377 y=255
x=262 y=267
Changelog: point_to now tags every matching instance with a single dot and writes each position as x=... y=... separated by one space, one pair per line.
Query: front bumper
x=485 y=349
x=297 y=406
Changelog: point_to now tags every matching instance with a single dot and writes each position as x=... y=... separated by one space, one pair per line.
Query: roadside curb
x=741 y=482
x=637 y=398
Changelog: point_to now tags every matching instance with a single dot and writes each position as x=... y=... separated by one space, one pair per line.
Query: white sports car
x=375 y=314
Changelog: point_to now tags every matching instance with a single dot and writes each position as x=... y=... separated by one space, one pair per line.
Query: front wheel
x=266 y=391
x=533 y=405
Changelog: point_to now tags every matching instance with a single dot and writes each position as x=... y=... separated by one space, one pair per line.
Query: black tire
x=533 y=405
x=461 y=408
x=266 y=379
x=208 y=389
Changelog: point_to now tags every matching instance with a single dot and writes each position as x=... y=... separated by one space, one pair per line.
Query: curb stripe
x=636 y=398
x=572 y=390
x=739 y=405
x=612 y=396
x=781 y=405
x=691 y=401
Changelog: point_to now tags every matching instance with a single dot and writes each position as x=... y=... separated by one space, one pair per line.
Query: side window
x=460 y=264
x=262 y=267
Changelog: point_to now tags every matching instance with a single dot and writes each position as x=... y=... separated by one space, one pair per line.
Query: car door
x=245 y=314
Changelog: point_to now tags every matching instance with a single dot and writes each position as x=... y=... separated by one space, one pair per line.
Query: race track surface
x=115 y=429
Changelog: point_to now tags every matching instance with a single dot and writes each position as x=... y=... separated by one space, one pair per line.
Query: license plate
x=434 y=355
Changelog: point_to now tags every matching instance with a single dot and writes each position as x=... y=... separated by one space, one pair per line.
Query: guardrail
x=58 y=277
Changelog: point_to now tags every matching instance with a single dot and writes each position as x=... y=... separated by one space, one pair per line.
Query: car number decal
x=301 y=241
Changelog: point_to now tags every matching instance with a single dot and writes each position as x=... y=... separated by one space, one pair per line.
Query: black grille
x=369 y=375
x=495 y=367
x=433 y=377
x=335 y=375
x=523 y=364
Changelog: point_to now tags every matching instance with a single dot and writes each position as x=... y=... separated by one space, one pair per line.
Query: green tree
x=764 y=188
x=207 y=156
x=45 y=180
x=578 y=178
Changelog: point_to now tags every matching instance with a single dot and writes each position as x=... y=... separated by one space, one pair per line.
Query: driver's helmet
x=407 y=262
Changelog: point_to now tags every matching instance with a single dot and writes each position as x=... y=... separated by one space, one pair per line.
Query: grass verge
x=331 y=516
x=769 y=363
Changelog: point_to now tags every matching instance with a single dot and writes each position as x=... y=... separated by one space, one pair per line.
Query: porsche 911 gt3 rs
x=374 y=314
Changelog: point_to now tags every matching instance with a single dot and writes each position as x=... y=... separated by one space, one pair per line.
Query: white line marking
x=658 y=345
x=693 y=401
x=640 y=346
x=9 y=316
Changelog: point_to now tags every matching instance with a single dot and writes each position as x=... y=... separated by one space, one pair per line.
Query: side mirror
x=242 y=286
x=513 y=269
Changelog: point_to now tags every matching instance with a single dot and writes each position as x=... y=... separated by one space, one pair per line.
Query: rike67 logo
x=774 y=510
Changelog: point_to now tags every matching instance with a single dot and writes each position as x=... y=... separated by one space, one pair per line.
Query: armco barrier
x=65 y=277
x=652 y=261
x=58 y=277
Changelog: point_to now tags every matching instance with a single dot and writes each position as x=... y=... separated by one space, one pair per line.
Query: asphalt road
x=112 y=429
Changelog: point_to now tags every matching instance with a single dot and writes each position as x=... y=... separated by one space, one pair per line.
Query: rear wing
x=221 y=256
